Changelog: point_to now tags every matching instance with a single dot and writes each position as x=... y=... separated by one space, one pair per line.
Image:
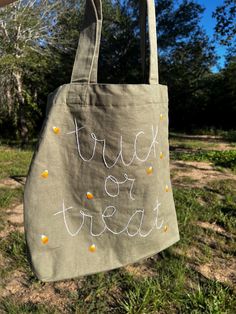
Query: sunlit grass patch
x=188 y=144
x=209 y=297
x=8 y=196
x=225 y=159
x=215 y=204
x=14 y=161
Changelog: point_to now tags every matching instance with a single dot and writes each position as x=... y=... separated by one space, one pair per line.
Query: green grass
x=225 y=159
x=14 y=161
x=190 y=144
x=14 y=249
x=229 y=136
x=154 y=296
x=9 y=306
x=220 y=199
x=167 y=292
x=174 y=285
x=209 y=298
x=8 y=196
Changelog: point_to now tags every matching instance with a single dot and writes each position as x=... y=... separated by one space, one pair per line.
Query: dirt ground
x=197 y=174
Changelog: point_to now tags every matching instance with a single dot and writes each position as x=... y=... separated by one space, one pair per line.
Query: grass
x=8 y=196
x=205 y=150
x=189 y=144
x=220 y=198
x=14 y=161
x=209 y=298
x=14 y=249
x=148 y=297
x=173 y=284
x=229 y=136
x=9 y=306
x=225 y=159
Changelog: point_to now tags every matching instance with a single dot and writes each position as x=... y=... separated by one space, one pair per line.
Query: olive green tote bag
x=98 y=194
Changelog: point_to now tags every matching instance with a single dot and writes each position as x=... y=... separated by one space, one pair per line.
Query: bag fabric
x=98 y=194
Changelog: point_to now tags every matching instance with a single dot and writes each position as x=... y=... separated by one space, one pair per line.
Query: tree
x=117 y=36
x=225 y=85
x=186 y=53
x=225 y=29
x=25 y=34
x=39 y=40
x=186 y=57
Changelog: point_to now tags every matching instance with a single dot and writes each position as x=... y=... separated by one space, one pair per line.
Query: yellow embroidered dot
x=161 y=116
x=44 y=174
x=167 y=188
x=89 y=196
x=149 y=170
x=44 y=239
x=161 y=155
x=56 y=130
x=165 y=228
x=92 y=248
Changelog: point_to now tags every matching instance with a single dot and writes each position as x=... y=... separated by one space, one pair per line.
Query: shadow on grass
x=20 y=178
x=206 y=135
x=30 y=145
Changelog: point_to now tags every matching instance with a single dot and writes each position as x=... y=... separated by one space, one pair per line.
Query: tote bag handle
x=86 y=60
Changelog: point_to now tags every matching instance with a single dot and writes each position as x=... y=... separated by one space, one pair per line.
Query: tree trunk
x=22 y=125
x=9 y=99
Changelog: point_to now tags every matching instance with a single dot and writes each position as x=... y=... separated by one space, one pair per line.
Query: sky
x=209 y=23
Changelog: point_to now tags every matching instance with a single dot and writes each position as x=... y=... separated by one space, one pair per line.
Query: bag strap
x=153 y=63
x=86 y=60
x=143 y=34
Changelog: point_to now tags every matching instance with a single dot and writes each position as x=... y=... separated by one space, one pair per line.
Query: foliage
x=38 y=41
x=225 y=23
x=25 y=34
x=186 y=58
x=215 y=99
x=186 y=54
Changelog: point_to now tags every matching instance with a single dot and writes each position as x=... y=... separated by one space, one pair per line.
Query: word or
x=117 y=184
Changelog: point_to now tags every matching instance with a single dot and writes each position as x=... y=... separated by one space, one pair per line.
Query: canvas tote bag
x=98 y=194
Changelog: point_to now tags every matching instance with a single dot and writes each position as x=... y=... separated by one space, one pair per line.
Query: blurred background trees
x=26 y=35
x=38 y=40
